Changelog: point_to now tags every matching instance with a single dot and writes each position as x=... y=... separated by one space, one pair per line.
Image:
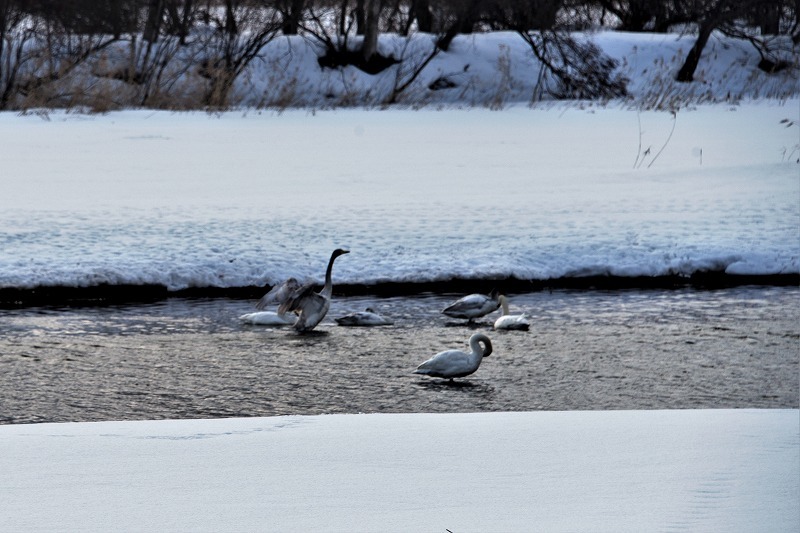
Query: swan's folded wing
x=444 y=364
x=279 y=293
x=467 y=302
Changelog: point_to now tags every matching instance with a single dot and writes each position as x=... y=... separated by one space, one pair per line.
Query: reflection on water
x=586 y=350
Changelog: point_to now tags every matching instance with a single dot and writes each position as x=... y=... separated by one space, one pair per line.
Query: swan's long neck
x=475 y=345
x=327 y=290
x=504 y=303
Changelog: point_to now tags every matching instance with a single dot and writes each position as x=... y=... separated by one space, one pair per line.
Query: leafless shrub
x=231 y=43
x=572 y=69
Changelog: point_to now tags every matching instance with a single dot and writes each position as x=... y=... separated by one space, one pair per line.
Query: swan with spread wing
x=309 y=306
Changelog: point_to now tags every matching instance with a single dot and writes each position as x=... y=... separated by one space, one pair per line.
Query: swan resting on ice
x=474 y=306
x=455 y=363
x=309 y=306
x=509 y=321
x=268 y=318
x=363 y=318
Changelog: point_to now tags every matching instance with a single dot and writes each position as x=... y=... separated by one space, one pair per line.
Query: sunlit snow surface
x=242 y=199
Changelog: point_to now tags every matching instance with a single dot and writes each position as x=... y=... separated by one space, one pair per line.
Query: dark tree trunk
x=360 y=14
x=153 y=24
x=230 y=18
x=370 y=47
x=464 y=22
x=686 y=73
x=179 y=21
x=421 y=11
x=291 y=19
x=769 y=18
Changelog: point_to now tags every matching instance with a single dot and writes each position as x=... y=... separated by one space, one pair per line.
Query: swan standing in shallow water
x=309 y=306
x=509 y=321
x=363 y=318
x=474 y=306
x=455 y=363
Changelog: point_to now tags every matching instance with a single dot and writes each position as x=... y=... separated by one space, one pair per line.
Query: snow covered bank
x=192 y=201
x=707 y=470
x=497 y=69
x=491 y=70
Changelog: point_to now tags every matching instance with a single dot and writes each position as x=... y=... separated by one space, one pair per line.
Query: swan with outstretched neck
x=309 y=306
x=455 y=363
x=509 y=321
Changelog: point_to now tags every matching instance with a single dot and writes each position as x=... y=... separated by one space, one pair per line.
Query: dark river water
x=193 y=358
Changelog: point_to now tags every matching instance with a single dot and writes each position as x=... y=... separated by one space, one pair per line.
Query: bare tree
x=292 y=14
x=340 y=49
x=234 y=42
x=14 y=37
x=649 y=15
x=40 y=48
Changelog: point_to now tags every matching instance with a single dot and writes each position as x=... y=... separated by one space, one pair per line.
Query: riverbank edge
x=108 y=294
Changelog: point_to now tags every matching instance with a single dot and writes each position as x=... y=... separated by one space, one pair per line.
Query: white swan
x=509 y=321
x=309 y=306
x=363 y=318
x=268 y=318
x=474 y=306
x=455 y=363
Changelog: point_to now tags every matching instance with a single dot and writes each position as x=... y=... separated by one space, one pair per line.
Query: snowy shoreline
x=108 y=294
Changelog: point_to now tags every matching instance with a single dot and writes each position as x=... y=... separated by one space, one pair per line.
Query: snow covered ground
x=699 y=471
x=244 y=199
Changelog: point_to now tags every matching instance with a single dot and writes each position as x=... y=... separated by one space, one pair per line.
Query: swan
x=455 y=363
x=309 y=306
x=474 y=306
x=509 y=321
x=268 y=318
x=363 y=318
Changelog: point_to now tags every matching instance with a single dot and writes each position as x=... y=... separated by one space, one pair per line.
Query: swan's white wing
x=301 y=299
x=279 y=293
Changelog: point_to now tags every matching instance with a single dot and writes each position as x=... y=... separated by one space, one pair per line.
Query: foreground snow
x=708 y=470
